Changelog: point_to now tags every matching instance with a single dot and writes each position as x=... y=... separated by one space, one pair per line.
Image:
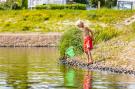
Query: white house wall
x=2 y=0
x=57 y=2
x=134 y=5
x=128 y=1
x=33 y=3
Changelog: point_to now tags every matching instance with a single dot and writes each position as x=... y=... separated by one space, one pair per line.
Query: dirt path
x=129 y=20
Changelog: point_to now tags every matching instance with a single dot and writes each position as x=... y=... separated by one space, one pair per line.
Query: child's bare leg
x=87 y=57
x=90 y=57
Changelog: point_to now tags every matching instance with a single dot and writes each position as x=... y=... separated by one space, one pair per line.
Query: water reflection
x=38 y=68
x=23 y=68
x=15 y=71
x=69 y=75
x=87 y=80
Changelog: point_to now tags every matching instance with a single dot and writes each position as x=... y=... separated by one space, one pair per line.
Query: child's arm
x=90 y=32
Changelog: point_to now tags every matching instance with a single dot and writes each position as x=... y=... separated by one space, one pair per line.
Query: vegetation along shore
x=114 y=41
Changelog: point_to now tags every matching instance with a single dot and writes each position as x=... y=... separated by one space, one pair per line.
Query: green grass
x=55 y=20
x=62 y=6
x=71 y=37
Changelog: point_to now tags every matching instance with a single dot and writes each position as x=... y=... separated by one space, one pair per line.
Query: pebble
x=96 y=67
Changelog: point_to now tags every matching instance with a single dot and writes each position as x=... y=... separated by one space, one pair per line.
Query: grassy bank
x=56 y=20
x=113 y=47
x=119 y=51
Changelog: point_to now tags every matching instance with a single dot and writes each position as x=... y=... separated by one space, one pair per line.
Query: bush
x=15 y=6
x=58 y=6
x=71 y=37
x=8 y=6
x=4 y=6
x=26 y=28
x=24 y=4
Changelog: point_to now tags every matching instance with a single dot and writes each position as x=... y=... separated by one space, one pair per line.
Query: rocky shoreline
x=29 y=39
x=116 y=55
x=96 y=66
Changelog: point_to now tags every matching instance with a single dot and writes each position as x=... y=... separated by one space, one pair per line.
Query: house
x=33 y=3
x=126 y=4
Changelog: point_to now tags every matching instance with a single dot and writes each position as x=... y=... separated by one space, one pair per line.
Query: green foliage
x=62 y=6
x=109 y=16
x=94 y=3
x=104 y=3
x=71 y=37
x=13 y=4
x=25 y=4
x=80 y=1
x=56 y=20
x=110 y=3
x=10 y=4
x=4 y=6
x=16 y=6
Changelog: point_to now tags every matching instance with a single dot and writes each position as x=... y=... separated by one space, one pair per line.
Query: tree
x=110 y=3
x=80 y=1
x=11 y=4
x=104 y=3
x=15 y=6
x=94 y=3
x=24 y=4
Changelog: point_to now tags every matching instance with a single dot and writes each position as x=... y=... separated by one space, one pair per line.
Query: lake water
x=39 y=68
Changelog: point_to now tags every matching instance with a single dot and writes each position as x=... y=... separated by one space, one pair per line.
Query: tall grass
x=71 y=37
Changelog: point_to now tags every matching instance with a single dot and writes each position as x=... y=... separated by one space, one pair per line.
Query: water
x=38 y=68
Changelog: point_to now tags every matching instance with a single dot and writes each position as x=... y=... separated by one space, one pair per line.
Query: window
x=125 y=5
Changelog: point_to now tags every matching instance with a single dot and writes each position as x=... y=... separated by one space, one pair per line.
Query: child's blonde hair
x=78 y=22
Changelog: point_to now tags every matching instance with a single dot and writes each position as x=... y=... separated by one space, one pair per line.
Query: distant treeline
x=23 y=4
x=103 y=3
x=14 y=4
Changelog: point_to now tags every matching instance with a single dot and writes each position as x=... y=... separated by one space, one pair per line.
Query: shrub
x=4 y=6
x=7 y=24
x=8 y=6
x=58 y=6
x=71 y=37
x=24 y=4
x=26 y=28
x=16 y=6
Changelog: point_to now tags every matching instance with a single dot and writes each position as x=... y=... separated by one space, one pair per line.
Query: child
x=88 y=37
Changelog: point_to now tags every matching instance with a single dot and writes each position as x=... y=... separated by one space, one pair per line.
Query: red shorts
x=87 y=46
